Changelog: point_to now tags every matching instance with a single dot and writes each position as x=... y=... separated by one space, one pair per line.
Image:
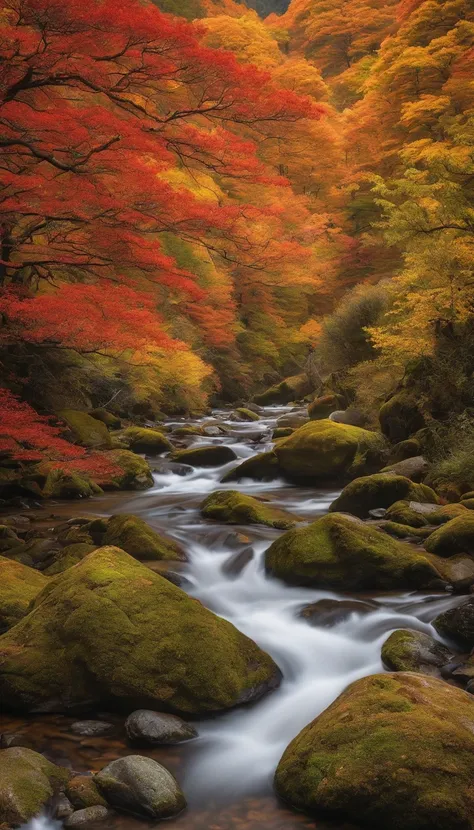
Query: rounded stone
x=140 y=786
x=151 y=728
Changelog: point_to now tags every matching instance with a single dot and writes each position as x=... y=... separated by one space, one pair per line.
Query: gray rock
x=211 y=432
x=353 y=417
x=63 y=807
x=414 y=651
x=91 y=728
x=378 y=513
x=140 y=786
x=163 y=466
x=328 y=612
x=413 y=468
x=457 y=624
x=87 y=816
x=150 y=728
x=234 y=566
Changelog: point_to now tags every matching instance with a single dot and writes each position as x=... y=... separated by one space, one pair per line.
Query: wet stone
x=91 y=728
x=87 y=816
x=148 y=728
x=236 y=563
x=328 y=612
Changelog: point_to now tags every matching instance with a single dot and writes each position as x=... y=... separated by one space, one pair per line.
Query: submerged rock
x=232 y=507
x=380 y=490
x=261 y=467
x=457 y=624
x=326 y=450
x=109 y=629
x=140 y=786
x=88 y=815
x=393 y=751
x=91 y=728
x=328 y=612
x=27 y=782
x=146 y=727
x=414 y=651
x=19 y=585
x=213 y=456
x=342 y=553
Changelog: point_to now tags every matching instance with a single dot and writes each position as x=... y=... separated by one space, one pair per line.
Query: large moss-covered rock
x=151 y=441
x=131 y=472
x=232 y=507
x=108 y=418
x=400 y=417
x=342 y=553
x=414 y=651
x=87 y=430
x=213 y=456
x=457 y=624
x=136 y=537
x=393 y=751
x=444 y=514
x=456 y=536
x=27 y=782
x=326 y=450
x=19 y=585
x=110 y=630
x=380 y=490
x=290 y=389
x=244 y=414
x=322 y=407
x=261 y=467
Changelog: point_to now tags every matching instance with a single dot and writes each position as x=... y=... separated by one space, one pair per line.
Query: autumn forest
x=237 y=250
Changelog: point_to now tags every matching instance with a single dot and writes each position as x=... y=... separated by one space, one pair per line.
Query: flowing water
x=227 y=772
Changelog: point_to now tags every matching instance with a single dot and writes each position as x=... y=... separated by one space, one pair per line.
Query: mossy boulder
x=111 y=632
x=282 y=432
x=325 y=450
x=136 y=537
x=8 y=538
x=409 y=448
x=83 y=792
x=27 y=782
x=444 y=514
x=187 y=431
x=290 y=389
x=402 y=531
x=87 y=431
x=393 y=751
x=457 y=570
x=402 y=513
x=244 y=414
x=380 y=490
x=414 y=651
x=19 y=585
x=400 y=417
x=131 y=472
x=68 y=485
x=323 y=407
x=261 y=467
x=151 y=441
x=469 y=503
x=108 y=418
x=232 y=507
x=457 y=624
x=212 y=456
x=342 y=553
x=69 y=556
x=456 y=536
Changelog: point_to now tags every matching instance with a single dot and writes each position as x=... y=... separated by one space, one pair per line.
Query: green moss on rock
x=456 y=536
x=87 y=430
x=246 y=414
x=401 y=531
x=132 y=472
x=290 y=389
x=69 y=556
x=110 y=631
x=232 y=507
x=108 y=418
x=393 y=751
x=402 y=513
x=27 y=782
x=151 y=441
x=136 y=537
x=83 y=792
x=261 y=467
x=326 y=450
x=19 y=585
x=282 y=432
x=342 y=553
x=380 y=490
x=414 y=651
x=400 y=417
